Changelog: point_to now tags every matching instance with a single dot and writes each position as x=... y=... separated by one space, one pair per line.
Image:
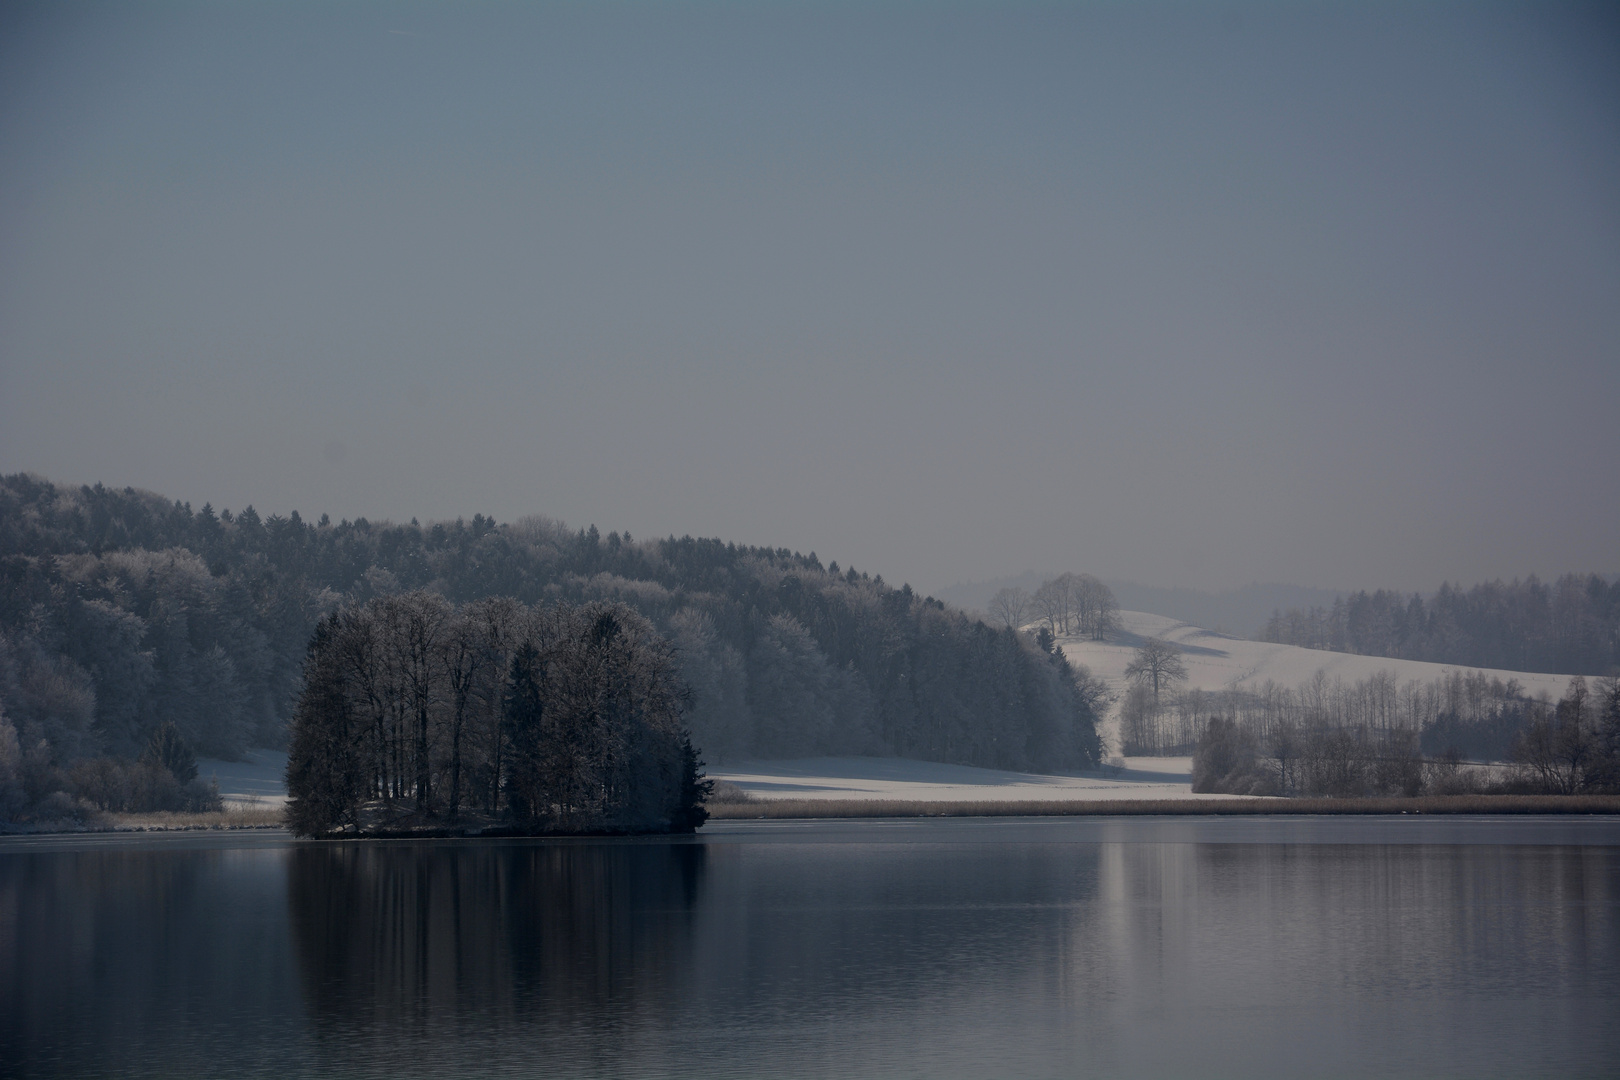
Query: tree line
x=1375 y=736
x=121 y=610
x=1570 y=627
x=550 y=718
x=1076 y=604
x=1470 y=712
x=1570 y=747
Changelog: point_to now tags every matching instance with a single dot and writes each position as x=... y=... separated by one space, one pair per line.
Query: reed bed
x=245 y=817
x=1425 y=804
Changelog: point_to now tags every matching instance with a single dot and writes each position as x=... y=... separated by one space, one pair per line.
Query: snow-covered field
x=900 y=778
x=1214 y=662
x=1218 y=662
x=258 y=781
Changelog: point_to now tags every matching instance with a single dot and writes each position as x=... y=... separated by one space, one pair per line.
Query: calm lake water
x=1403 y=947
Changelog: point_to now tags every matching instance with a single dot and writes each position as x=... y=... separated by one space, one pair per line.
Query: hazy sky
x=1193 y=294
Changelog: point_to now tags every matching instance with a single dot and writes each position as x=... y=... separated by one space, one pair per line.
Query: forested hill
x=1568 y=627
x=122 y=609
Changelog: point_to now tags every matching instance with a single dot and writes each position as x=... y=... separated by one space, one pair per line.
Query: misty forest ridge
x=157 y=614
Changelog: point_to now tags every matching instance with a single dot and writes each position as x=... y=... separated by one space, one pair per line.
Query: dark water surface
x=1353 y=947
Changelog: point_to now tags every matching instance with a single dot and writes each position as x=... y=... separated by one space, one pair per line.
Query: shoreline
x=813 y=809
x=1183 y=807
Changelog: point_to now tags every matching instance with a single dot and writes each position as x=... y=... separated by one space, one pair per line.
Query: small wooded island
x=421 y=717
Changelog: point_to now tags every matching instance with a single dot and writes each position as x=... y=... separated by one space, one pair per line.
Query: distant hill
x=121 y=609
x=1570 y=625
x=1477 y=710
x=1242 y=612
x=1222 y=662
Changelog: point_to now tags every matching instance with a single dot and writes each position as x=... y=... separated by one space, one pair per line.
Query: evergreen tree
x=690 y=813
x=168 y=749
x=323 y=771
x=522 y=724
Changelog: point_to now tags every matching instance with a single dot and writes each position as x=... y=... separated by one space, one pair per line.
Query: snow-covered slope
x=259 y=779
x=930 y=781
x=1218 y=662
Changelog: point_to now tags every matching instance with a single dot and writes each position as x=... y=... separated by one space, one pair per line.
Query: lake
x=1049 y=947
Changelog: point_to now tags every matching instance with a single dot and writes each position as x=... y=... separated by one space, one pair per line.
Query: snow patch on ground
x=1214 y=662
x=1218 y=661
x=259 y=780
x=902 y=778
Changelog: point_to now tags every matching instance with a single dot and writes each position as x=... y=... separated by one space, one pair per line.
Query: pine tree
x=521 y=727
x=323 y=768
x=168 y=749
x=696 y=788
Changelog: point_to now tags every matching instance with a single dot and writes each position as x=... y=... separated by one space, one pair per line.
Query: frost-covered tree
x=1051 y=603
x=1156 y=664
x=791 y=689
x=121 y=610
x=1009 y=606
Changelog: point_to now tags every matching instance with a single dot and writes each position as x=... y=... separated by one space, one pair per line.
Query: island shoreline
x=814 y=809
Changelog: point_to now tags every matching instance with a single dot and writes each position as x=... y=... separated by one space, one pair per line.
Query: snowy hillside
x=931 y=781
x=1218 y=662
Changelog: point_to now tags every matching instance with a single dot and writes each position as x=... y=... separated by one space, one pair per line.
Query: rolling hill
x=1217 y=661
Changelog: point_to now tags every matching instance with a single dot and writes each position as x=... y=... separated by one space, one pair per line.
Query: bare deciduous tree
x=1096 y=610
x=1077 y=604
x=1561 y=747
x=1157 y=664
x=1051 y=604
x=1009 y=606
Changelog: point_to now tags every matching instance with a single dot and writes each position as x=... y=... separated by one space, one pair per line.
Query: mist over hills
x=1242 y=612
x=1568 y=625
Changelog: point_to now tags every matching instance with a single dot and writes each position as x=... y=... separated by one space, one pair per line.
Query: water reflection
x=131 y=962
x=628 y=959
x=944 y=950
x=1347 y=960
x=429 y=933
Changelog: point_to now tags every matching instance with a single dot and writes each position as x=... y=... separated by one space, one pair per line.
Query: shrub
x=139 y=787
x=1226 y=762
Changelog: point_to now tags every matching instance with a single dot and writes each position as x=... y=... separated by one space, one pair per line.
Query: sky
x=1193 y=294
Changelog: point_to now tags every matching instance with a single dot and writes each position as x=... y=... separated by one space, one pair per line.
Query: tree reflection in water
x=948 y=949
x=413 y=937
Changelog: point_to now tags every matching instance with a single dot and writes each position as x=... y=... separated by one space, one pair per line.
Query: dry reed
x=233 y=817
